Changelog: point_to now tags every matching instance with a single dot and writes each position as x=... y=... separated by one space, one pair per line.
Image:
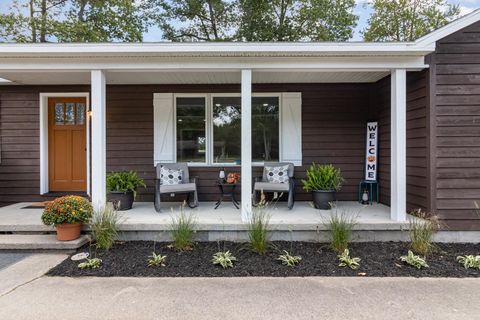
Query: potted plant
x=67 y=214
x=323 y=181
x=122 y=188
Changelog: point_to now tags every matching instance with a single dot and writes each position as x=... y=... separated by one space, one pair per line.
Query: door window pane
x=80 y=113
x=58 y=113
x=226 y=129
x=265 y=128
x=70 y=113
x=191 y=137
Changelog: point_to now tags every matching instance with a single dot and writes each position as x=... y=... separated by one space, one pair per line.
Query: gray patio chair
x=263 y=185
x=188 y=185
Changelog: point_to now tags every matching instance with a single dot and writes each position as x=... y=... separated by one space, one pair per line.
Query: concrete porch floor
x=142 y=217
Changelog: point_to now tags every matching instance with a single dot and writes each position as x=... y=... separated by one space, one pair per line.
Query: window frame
x=209 y=125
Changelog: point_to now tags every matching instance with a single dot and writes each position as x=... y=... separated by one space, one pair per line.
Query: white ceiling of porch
x=188 y=77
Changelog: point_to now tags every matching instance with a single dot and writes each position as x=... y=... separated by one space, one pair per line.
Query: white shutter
x=291 y=127
x=163 y=128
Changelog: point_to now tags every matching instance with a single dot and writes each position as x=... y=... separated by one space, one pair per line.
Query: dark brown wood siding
x=456 y=104
x=417 y=140
x=329 y=111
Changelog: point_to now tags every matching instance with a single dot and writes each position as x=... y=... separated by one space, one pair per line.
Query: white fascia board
x=429 y=40
x=210 y=49
x=367 y=63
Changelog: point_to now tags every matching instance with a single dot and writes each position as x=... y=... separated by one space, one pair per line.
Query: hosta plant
x=224 y=258
x=157 y=260
x=469 y=261
x=347 y=261
x=287 y=259
x=93 y=263
x=67 y=209
x=414 y=260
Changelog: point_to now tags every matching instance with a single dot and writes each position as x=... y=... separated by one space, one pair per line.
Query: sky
x=362 y=10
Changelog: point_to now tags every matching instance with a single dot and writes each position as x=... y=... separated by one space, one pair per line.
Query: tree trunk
x=33 y=26
x=43 y=25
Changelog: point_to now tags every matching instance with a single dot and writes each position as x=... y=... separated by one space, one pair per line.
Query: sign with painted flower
x=371 y=152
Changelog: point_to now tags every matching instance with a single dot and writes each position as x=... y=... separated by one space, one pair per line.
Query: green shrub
x=414 y=260
x=323 y=177
x=67 y=209
x=104 y=227
x=157 y=260
x=258 y=233
x=93 y=263
x=124 y=181
x=288 y=260
x=340 y=226
x=183 y=230
x=421 y=232
x=224 y=258
x=347 y=261
x=469 y=261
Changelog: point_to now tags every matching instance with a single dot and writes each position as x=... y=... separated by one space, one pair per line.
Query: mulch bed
x=379 y=259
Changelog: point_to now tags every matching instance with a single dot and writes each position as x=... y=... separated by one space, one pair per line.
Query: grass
x=183 y=231
x=258 y=233
x=340 y=226
x=421 y=232
x=104 y=227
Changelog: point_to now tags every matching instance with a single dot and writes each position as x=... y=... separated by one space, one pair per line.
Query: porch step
x=39 y=242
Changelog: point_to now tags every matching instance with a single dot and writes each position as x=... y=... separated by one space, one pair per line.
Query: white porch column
x=398 y=181
x=246 y=133
x=99 y=167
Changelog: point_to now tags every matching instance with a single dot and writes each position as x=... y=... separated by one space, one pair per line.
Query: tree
x=193 y=20
x=407 y=20
x=72 y=21
x=96 y=21
x=296 y=20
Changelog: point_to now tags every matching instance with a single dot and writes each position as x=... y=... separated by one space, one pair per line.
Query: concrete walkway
x=243 y=298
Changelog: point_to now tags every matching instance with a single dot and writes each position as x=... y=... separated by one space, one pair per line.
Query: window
x=191 y=133
x=221 y=143
x=226 y=129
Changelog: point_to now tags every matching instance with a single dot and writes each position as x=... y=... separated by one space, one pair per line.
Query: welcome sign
x=371 y=154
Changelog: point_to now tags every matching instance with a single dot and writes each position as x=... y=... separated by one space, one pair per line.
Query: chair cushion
x=276 y=174
x=170 y=177
x=185 y=187
x=271 y=186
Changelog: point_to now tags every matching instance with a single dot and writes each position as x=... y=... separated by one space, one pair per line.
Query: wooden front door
x=67 y=144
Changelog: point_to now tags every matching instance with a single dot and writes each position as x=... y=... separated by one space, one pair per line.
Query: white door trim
x=44 y=135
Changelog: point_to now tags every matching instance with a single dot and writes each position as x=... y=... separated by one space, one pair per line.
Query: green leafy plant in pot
x=323 y=181
x=122 y=188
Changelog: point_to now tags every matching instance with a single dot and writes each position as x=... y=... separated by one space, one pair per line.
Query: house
x=70 y=113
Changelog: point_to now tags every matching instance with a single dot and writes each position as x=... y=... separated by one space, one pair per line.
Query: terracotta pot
x=68 y=231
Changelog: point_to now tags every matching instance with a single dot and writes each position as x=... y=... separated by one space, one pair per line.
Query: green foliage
x=200 y=20
x=469 y=261
x=421 y=232
x=347 y=261
x=224 y=258
x=287 y=259
x=258 y=233
x=124 y=181
x=67 y=209
x=340 y=226
x=183 y=231
x=93 y=263
x=104 y=227
x=414 y=260
x=323 y=177
x=73 y=21
x=407 y=20
x=157 y=260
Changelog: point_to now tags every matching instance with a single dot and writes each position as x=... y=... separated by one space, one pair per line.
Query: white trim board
x=44 y=135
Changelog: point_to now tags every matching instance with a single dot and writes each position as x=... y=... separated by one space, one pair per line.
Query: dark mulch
x=380 y=259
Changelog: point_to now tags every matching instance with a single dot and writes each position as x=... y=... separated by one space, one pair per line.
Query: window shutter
x=291 y=128
x=163 y=128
